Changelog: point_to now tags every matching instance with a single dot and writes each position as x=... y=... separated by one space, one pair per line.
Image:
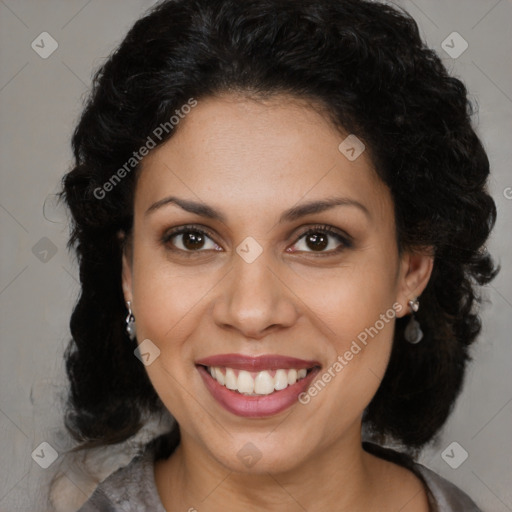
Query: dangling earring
x=130 y=321
x=413 y=333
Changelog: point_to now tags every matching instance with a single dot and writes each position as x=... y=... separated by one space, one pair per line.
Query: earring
x=130 y=321
x=413 y=333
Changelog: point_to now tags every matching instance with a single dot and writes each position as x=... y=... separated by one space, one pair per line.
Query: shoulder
x=129 y=489
x=443 y=496
x=447 y=496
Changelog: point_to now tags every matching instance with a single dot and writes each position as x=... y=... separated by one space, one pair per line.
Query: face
x=261 y=251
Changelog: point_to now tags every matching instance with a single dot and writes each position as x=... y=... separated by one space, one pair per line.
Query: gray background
x=40 y=100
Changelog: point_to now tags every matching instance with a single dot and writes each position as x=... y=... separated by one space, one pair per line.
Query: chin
x=258 y=454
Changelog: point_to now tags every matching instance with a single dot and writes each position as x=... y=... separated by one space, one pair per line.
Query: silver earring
x=130 y=321
x=413 y=333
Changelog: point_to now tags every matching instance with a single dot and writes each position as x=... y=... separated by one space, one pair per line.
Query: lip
x=256 y=406
x=258 y=363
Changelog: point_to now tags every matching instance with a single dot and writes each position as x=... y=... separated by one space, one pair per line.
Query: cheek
x=353 y=307
x=167 y=308
x=167 y=301
x=350 y=298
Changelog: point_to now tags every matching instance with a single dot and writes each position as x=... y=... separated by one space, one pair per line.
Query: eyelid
x=178 y=230
x=168 y=234
x=345 y=240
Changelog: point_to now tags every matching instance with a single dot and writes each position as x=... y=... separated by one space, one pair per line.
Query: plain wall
x=40 y=100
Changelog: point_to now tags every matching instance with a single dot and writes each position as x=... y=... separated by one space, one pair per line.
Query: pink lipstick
x=256 y=387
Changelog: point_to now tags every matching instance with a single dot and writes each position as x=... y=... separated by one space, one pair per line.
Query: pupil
x=317 y=241
x=193 y=240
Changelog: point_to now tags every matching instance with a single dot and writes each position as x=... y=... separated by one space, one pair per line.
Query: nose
x=254 y=300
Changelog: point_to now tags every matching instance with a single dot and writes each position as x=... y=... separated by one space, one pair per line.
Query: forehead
x=249 y=153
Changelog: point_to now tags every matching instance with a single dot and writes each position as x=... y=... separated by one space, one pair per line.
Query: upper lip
x=258 y=363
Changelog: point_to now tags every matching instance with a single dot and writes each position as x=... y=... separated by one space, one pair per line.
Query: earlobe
x=415 y=272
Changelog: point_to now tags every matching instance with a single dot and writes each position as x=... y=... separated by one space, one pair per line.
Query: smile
x=256 y=386
x=256 y=383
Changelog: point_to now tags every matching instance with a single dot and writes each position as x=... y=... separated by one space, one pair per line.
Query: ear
x=415 y=271
x=126 y=268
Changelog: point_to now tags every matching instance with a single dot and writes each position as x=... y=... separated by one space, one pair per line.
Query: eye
x=189 y=239
x=322 y=239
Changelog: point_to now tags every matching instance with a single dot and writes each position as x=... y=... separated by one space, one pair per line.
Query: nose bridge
x=254 y=299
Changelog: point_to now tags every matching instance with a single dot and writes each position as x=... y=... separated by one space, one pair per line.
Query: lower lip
x=256 y=406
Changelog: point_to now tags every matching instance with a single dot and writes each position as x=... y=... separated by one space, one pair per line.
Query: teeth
x=280 y=380
x=231 y=380
x=263 y=384
x=256 y=383
x=245 y=382
x=219 y=376
x=292 y=377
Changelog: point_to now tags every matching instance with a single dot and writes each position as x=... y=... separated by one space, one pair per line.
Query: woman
x=280 y=212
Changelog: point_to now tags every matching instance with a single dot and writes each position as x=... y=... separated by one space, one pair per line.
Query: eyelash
x=345 y=240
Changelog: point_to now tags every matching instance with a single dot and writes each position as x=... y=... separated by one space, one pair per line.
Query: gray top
x=133 y=489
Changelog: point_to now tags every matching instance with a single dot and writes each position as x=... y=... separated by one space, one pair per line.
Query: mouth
x=256 y=386
x=261 y=383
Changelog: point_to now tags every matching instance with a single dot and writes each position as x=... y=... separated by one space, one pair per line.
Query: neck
x=341 y=477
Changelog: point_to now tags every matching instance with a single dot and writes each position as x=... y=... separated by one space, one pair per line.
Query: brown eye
x=192 y=240
x=317 y=241
x=187 y=239
x=322 y=240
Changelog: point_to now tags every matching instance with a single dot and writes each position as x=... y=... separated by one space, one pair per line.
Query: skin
x=251 y=161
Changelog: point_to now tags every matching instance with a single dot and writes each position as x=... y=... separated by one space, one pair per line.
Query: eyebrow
x=290 y=215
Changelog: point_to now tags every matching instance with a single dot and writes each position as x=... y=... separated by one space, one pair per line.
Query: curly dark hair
x=366 y=64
